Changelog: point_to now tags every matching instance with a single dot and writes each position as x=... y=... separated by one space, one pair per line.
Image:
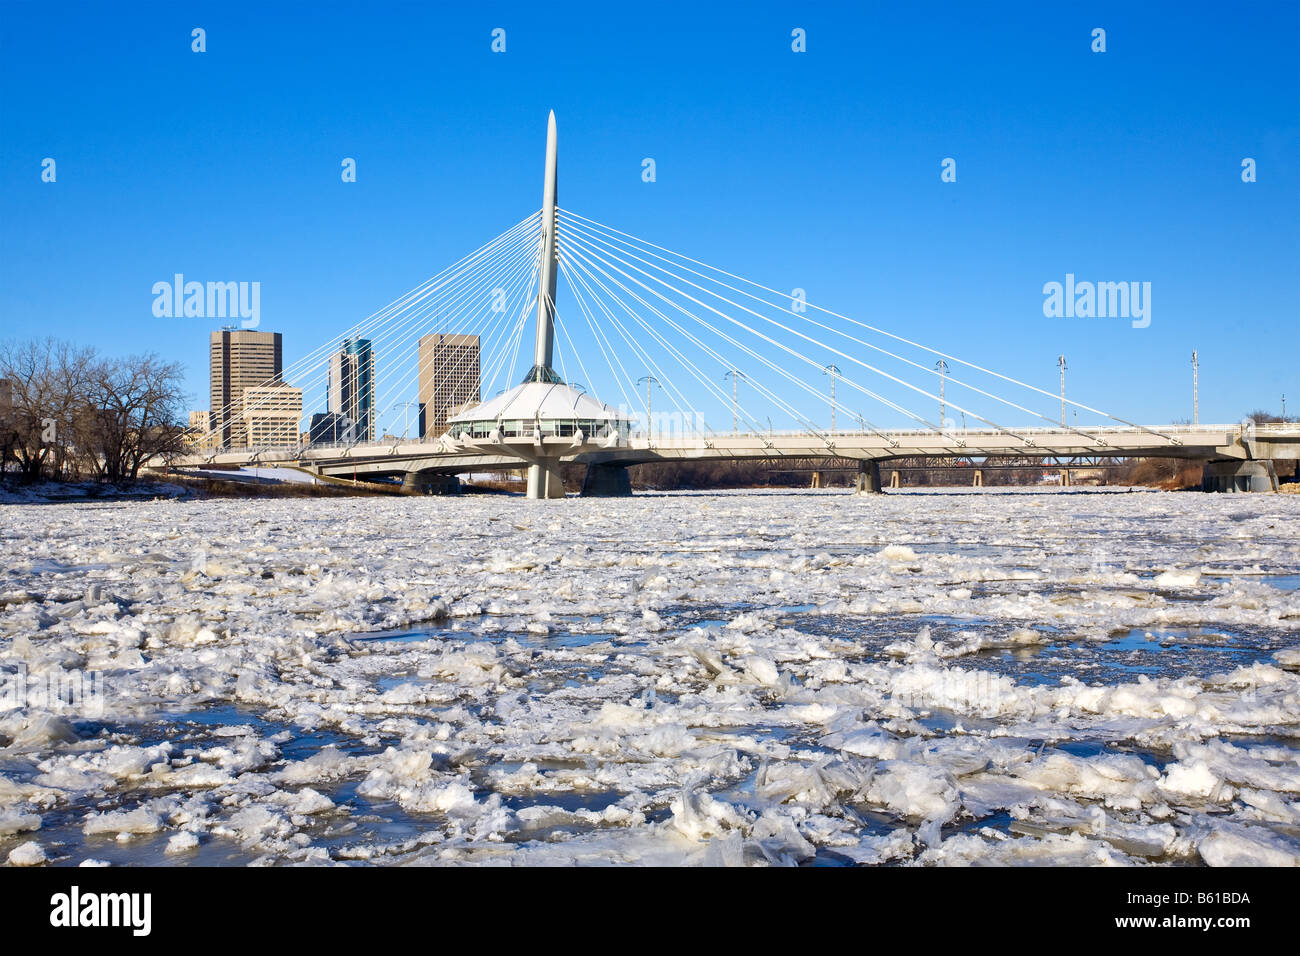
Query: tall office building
x=449 y=378
x=240 y=359
x=352 y=386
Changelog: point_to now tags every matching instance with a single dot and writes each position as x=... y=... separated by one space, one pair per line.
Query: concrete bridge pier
x=977 y=480
x=430 y=483
x=544 y=480
x=868 y=480
x=1230 y=476
x=607 y=481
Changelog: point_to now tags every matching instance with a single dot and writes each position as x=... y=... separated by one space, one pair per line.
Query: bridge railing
x=1276 y=429
x=908 y=433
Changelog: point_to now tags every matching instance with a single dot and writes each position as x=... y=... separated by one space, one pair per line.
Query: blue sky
x=817 y=170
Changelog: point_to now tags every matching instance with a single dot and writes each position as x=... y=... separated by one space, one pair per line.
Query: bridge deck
x=1221 y=442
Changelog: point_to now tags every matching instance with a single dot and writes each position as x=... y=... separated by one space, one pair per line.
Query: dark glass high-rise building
x=352 y=386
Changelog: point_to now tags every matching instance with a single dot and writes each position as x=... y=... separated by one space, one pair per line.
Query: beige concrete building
x=449 y=378
x=199 y=434
x=240 y=359
x=272 y=414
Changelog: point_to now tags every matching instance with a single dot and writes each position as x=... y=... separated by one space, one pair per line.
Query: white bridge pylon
x=691 y=362
x=543 y=400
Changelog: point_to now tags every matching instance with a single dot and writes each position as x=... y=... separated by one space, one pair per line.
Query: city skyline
x=245 y=369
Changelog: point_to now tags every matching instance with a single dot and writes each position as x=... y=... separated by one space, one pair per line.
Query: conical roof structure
x=545 y=401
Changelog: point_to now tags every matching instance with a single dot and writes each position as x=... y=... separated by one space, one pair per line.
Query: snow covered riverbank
x=735 y=677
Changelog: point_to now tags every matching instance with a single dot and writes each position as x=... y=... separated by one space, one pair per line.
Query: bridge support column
x=816 y=480
x=1232 y=476
x=544 y=480
x=868 y=480
x=430 y=483
x=895 y=481
x=1065 y=477
x=977 y=479
x=607 y=481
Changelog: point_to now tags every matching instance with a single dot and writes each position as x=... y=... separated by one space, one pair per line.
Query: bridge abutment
x=1232 y=476
x=430 y=483
x=868 y=480
x=544 y=480
x=607 y=481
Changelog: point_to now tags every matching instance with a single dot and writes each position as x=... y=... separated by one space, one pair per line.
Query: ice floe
x=734 y=679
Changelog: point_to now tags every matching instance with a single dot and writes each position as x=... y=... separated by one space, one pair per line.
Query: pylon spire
x=541 y=370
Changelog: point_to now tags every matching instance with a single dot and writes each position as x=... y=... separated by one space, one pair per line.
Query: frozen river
x=808 y=677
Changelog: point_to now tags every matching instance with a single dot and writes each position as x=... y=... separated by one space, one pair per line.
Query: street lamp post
x=1196 y=398
x=1061 y=362
x=647 y=381
x=735 y=375
x=833 y=370
x=406 y=416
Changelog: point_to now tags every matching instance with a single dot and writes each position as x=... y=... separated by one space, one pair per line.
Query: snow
x=14 y=821
x=27 y=854
x=136 y=821
x=182 y=842
x=740 y=678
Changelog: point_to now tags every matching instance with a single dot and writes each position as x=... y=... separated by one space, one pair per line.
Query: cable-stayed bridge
x=690 y=362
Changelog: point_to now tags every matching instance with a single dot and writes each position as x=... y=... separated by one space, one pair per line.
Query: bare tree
x=49 y=381
x=73 y=412
x=132 y=415
x=1261 y=417
x=8 y=435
